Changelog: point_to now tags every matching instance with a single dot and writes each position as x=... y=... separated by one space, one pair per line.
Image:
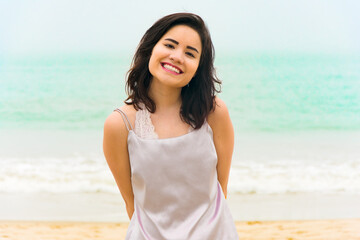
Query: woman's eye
x=190 y=54
x=169 y=46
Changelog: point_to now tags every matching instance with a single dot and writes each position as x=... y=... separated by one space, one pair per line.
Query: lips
x=171 y=68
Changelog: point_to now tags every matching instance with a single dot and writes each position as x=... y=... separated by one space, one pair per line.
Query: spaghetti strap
x=125 y=119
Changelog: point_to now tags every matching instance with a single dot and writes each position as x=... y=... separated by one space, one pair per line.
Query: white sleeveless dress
x=177 y=195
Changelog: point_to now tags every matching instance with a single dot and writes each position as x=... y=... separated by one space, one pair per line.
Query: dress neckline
x=131 y=131
x=144 y=127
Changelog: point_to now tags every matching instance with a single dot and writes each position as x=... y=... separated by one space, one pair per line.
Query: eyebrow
x=177 y=43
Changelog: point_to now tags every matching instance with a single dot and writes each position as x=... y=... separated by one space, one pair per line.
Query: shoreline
x=106 y=207
x=247 y=230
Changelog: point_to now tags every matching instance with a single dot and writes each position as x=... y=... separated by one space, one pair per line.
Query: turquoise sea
x=264 y=92
x=296 y=120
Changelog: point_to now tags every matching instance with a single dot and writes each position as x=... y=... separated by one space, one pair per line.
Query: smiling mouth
x=171 y=68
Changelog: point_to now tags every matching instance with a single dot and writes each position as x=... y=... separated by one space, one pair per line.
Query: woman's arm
x=117 y=157
x=220 y=122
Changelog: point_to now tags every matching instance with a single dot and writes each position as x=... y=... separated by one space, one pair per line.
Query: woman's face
x=176 y=56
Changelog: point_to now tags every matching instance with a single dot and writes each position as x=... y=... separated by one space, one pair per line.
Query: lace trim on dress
x=144 y=127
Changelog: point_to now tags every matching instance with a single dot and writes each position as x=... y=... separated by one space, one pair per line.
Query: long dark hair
x=198 y=97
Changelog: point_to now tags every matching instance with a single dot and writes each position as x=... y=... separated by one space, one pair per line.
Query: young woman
x=170 y=146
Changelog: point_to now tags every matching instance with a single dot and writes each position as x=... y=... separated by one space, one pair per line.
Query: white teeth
x=171 y=68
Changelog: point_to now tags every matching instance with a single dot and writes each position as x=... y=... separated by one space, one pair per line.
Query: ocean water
x=296 y=120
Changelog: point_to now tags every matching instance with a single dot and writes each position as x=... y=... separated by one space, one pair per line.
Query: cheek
x=155 y=56
x=152 y=61
x=195 y=67
x=156 y=52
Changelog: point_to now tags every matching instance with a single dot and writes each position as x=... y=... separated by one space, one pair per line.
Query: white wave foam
x=76 y=174
x=84 y=174
x=295 y=176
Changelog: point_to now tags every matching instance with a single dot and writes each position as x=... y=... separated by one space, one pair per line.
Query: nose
x=177 y=56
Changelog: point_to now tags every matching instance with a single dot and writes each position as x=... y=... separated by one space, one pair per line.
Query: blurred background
x=291 y=81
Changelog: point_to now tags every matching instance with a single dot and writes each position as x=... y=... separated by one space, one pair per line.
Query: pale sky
x=45 y=26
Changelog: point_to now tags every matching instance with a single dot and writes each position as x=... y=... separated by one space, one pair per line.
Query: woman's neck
x=165 y=97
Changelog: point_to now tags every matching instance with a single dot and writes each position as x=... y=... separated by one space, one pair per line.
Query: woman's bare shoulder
x=115 y=123
x=220 y=114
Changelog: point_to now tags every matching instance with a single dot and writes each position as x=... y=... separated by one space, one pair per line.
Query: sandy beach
x=248 y=230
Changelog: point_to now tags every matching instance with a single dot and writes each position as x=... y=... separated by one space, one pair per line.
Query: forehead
x=185 y=35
